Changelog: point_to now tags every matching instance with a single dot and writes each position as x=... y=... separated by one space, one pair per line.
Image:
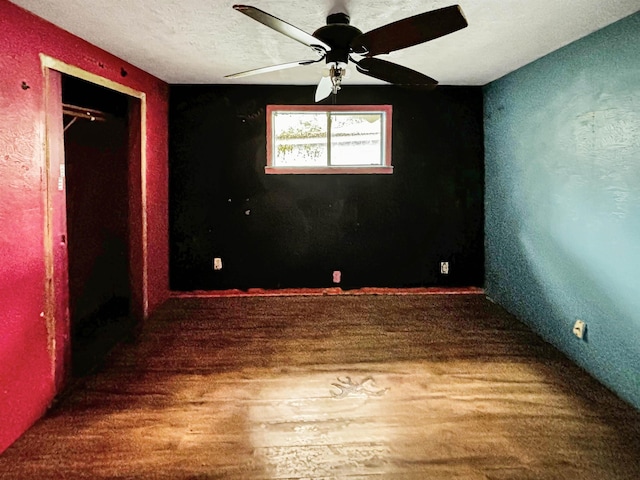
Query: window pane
x=356 y=139
x=300 y=139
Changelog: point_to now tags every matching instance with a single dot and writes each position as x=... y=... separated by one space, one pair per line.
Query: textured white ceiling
x=200 y=41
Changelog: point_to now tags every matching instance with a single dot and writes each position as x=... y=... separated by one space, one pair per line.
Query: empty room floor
x=334 y=386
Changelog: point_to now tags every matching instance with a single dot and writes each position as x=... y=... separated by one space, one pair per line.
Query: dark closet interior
x=97 y=200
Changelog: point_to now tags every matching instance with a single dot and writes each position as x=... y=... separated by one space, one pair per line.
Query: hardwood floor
x=368 y=386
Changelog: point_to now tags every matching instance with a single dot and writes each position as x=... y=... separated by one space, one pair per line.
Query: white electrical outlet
x=444 y=268
x=337 y=276
x=217 y=263
x=579 y=329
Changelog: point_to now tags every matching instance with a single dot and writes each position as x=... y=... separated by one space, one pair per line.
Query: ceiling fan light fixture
x=337 y=72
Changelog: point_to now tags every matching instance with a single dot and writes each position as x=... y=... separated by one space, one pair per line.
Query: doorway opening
x=97 y=172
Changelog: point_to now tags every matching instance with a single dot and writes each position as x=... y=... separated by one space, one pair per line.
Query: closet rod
x=81 y=112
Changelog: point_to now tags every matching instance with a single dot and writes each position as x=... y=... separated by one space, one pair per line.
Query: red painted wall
x=27 y=384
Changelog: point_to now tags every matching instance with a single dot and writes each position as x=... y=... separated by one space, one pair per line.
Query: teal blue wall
x=562 y=179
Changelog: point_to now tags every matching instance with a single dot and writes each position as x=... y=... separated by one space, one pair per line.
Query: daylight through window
x=329 y=139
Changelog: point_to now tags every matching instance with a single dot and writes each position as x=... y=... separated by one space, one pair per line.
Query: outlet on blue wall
x=562 y=200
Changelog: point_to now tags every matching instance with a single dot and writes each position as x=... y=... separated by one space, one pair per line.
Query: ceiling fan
x=337 y=42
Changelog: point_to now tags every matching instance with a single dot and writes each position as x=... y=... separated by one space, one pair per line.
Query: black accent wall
x=293 y=231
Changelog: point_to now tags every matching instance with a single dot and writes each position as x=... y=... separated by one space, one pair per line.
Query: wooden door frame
x=56 y=312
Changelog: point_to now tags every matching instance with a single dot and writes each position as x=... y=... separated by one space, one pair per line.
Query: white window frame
x=384 y=168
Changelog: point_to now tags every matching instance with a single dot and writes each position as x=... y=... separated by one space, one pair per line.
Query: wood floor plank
x=355 y=387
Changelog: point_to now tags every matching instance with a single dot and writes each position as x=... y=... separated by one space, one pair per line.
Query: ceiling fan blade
x=272 y=68
x=394 y=73
x=283 y=27
x=410 y=31
x=325 y=88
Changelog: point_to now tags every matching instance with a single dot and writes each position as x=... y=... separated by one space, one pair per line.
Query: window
x=329 y=139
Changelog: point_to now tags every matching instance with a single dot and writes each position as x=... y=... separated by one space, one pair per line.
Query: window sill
x=328 y=170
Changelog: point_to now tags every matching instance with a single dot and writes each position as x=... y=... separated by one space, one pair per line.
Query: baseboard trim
x=292 y=292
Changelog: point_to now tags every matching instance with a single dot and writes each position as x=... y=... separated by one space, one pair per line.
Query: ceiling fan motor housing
x=338 y=34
